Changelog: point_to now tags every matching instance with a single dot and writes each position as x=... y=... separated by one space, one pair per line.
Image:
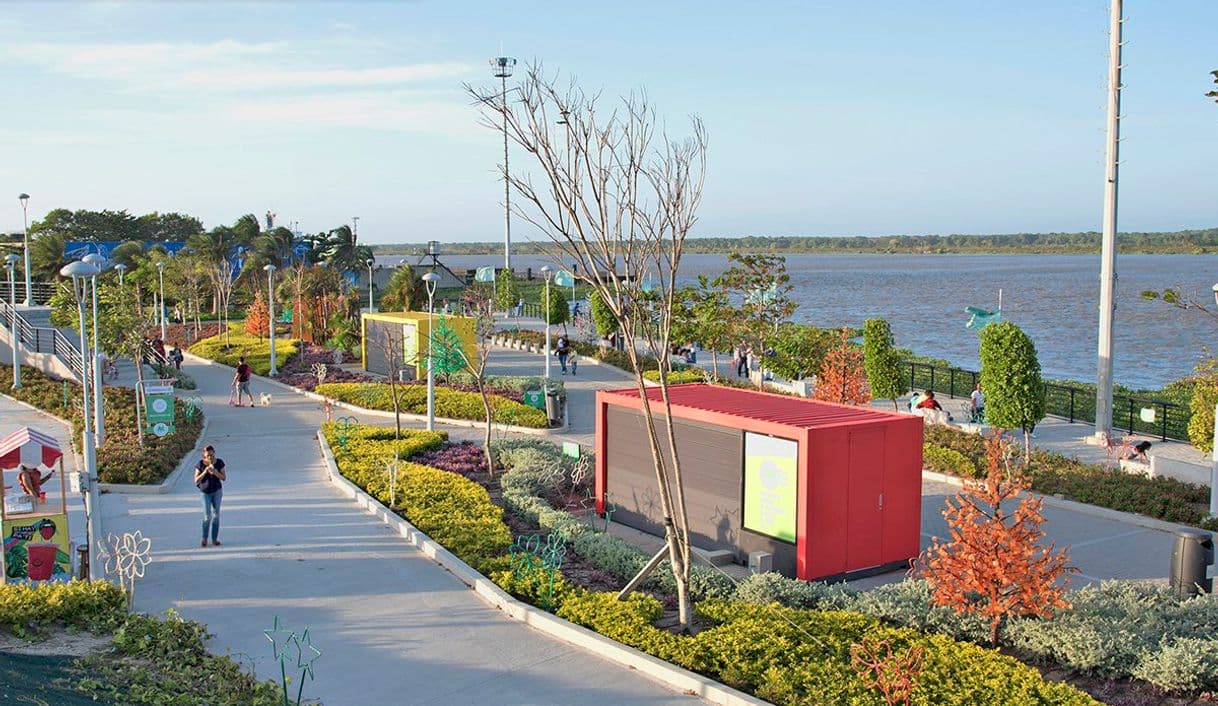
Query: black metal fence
x=1135 y=414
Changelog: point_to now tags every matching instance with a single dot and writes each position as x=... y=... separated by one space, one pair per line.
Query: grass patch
x=257 y=351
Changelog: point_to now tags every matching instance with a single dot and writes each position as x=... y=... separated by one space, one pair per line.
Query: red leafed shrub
x=465 y=458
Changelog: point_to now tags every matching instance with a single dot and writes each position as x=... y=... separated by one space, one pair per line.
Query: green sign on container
x=535 y=398
x=158 y=409
x=771 y=481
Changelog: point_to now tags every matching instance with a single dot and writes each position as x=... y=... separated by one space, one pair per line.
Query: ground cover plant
x=149 y=660
x=452 y=404
x=120 y=459
x=1054 y=474
x=787 y=655
x=257 y=351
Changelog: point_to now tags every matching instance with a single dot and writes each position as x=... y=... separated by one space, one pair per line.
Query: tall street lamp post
x=25 y=222
x=430 y=279
x=160 y=266
x=270 y=321
x=10 y=264
x=99 y=421
x=371 y=302
x=501 y=68
x=80 y=272
x=545 y=315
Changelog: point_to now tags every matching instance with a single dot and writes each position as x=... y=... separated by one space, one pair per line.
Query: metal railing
x=41 y=291
x=42 y=340
x=1140 y=415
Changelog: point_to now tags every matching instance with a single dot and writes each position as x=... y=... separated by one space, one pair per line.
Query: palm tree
x=342 y=253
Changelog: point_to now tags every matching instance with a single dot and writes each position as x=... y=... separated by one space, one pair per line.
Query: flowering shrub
x=120 y=459
x=465 y=458
x=257 y=351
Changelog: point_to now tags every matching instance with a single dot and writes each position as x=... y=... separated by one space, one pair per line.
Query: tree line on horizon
x=1198 y=241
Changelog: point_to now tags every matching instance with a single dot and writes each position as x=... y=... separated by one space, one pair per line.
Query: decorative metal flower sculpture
x=589 y=503
x=125 y=558
x=530 y=555
x=194 y=405
x=345 y=425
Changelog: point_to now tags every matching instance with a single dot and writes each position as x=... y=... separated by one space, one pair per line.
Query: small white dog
x=265 y=399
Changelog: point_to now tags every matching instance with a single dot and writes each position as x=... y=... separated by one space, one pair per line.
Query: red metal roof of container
x=765 y=406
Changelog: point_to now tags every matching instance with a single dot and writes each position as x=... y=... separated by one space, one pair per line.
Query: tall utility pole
x=1103 y=387
x=501 y=67
x=354 y=230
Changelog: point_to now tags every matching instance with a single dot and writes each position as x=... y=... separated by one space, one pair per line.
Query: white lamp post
x=501 y=68
x=80 y=272
x=270 y=319
x=99 y=422
x=25 y=221
x=122 y=269
x=545 y=315
x=430 y=279
x=10 y=264
x=1214 y=453
x=160 y=266
x=371 y=303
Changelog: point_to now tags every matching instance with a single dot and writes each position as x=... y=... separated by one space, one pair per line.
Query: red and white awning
x=28 y=447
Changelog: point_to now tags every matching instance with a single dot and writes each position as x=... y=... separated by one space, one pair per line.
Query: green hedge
x=941 y=459
x=120 y=459
x=452 y=404
x=456 y=512
x=79 y=605
x=678 y=377
x=1053 y=474
x=257 y=351
x=799 y=657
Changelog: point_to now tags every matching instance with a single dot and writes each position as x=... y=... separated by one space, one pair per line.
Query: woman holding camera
x=209 y=479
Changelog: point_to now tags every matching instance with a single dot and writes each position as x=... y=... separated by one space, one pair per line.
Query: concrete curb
x=1129 y=518
x=682 y=680
x=382 y=414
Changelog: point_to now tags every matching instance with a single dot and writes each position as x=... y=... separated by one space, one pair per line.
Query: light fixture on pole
x=160 y=266
x=25 y=222
x=10 y=265
x=80 y=272
x=99 y=422
x=270 y=319
x=501 y=68
x=371 y=302
x=545 y=315
x=122 y=269
x=1107 y=305
x=1214 y=453
x=430 y=280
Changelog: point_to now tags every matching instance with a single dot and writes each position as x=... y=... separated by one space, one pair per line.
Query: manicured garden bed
x=120 y=459
x=1053 y=474
x=789 y=655
x=451 y=404
x=146 y=660
x=257 y=351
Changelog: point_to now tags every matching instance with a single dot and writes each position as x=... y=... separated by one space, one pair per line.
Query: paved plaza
x=394 y=627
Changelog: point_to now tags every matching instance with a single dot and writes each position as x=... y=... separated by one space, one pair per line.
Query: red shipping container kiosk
x=830 y=491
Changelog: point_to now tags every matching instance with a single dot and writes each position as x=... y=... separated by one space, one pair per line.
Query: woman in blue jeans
x=209 y=479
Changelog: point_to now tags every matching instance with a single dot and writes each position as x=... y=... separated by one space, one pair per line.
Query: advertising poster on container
x=36 y=548
x=771 y=482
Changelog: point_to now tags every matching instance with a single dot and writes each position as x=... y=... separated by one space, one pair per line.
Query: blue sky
x=825 y=118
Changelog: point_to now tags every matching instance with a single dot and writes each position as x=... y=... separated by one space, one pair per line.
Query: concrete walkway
x=394 y=627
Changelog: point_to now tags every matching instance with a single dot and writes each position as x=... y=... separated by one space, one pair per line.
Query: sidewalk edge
x=680 y=679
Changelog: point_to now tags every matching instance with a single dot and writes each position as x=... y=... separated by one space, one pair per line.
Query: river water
x=1054 y=298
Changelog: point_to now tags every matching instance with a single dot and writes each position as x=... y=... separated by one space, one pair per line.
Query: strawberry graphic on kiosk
x=34 y=521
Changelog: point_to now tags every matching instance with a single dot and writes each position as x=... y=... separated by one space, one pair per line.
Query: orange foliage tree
x=893 y=674
x=996 y=563
x=258 y=318
x=842 y=377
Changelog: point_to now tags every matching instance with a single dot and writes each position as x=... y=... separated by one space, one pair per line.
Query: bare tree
x=222 y=282
x=616 y=195
x=479 y=301
x=392 y=347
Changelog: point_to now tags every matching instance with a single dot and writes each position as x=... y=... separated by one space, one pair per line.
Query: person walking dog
x=209 y=479
x=241 y=381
